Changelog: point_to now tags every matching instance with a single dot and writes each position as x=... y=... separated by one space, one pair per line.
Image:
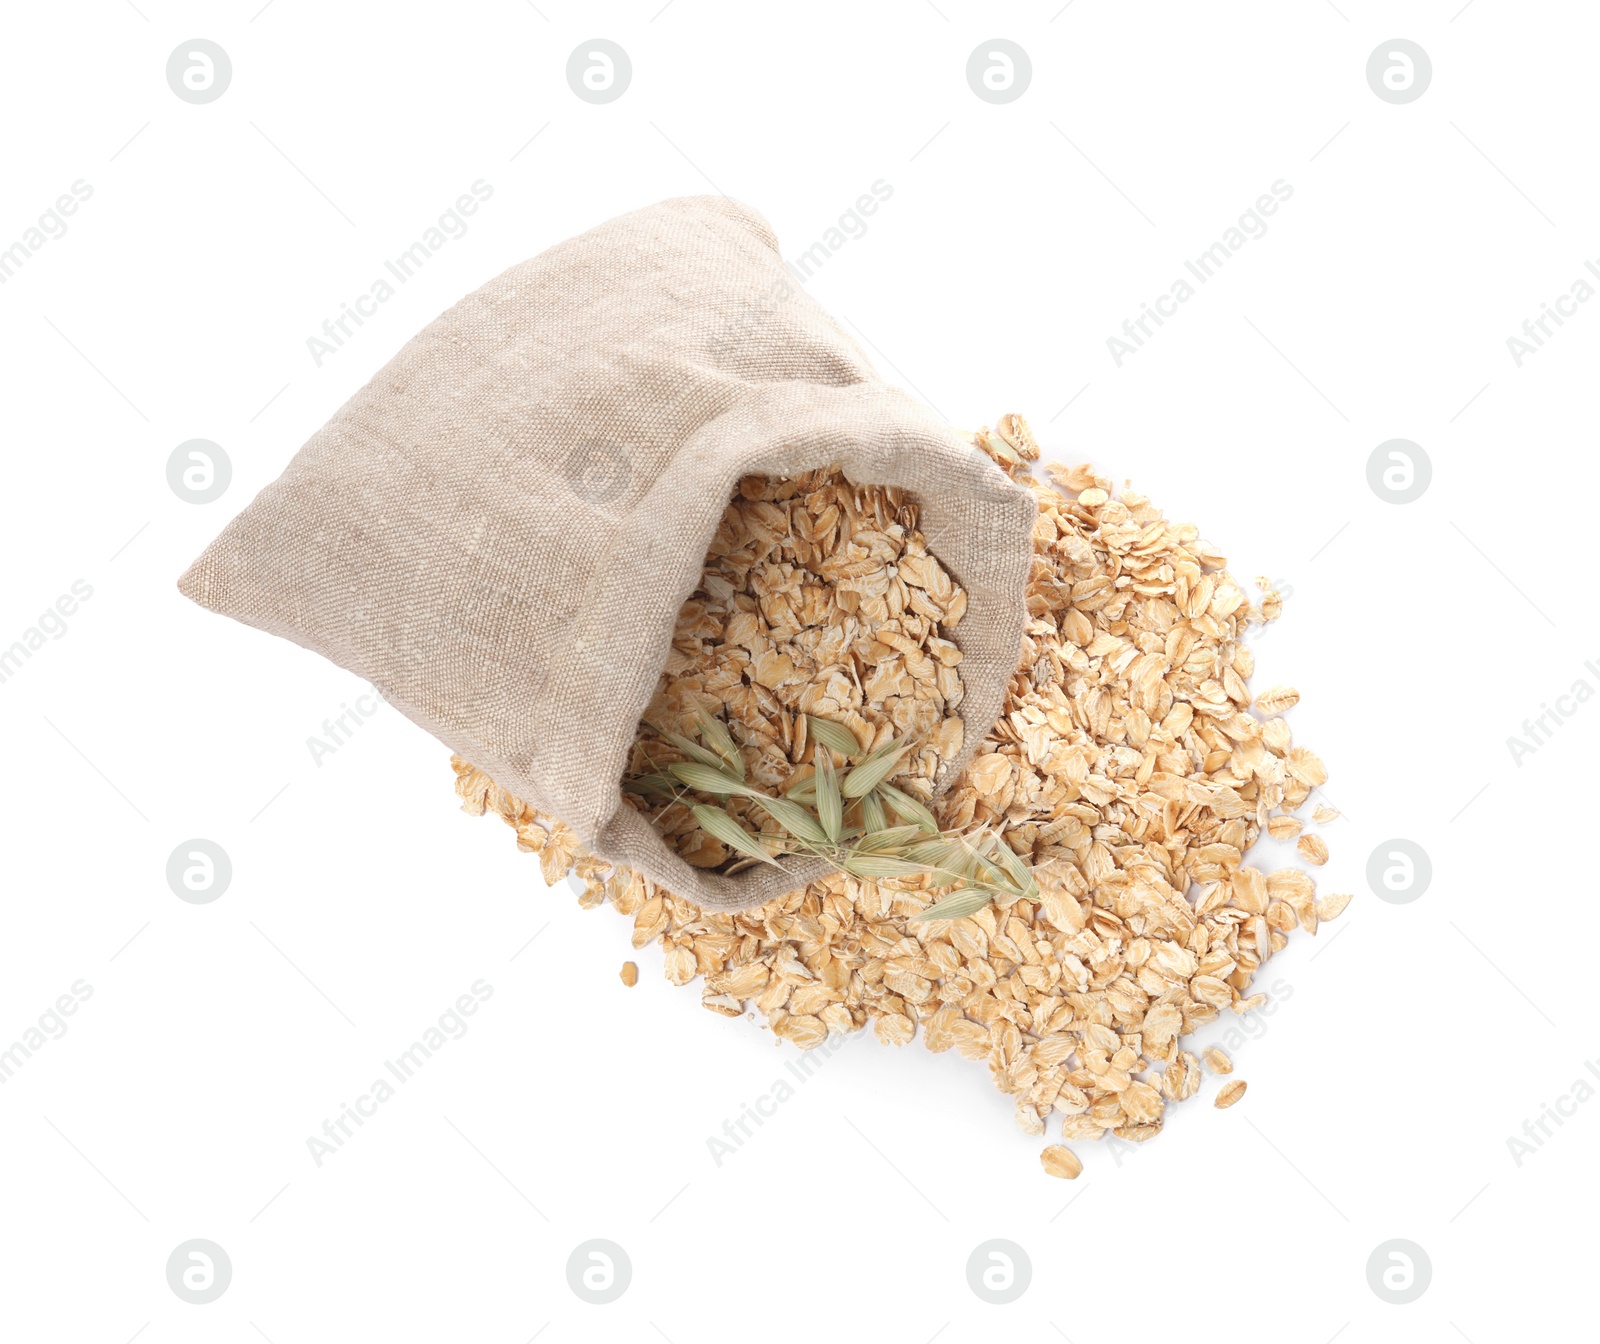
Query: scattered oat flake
x=1029 y=1121
x=1306 y=766
x=1278 y=699
x=1283 y=828
x=630 y=974
x=1230 y=1093
x=1313 y=849
x=1217 y=1061
x=1271 y=600
x=1332 y=905
x=1322 y=814
x=1061 y=1161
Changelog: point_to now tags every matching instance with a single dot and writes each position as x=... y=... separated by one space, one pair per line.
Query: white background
x=1018 y=238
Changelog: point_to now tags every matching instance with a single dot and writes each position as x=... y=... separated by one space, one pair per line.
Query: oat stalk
x=856 y=821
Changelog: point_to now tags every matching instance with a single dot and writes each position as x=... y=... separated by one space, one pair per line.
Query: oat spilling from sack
x=1130 y=769
x=818 y=598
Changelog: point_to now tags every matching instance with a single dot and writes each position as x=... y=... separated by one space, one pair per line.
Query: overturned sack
x=499 y=529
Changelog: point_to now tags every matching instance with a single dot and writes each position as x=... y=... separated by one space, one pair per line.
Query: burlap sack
x=499 y=529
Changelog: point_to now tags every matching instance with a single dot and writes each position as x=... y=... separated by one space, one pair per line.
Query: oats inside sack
x=819 y=600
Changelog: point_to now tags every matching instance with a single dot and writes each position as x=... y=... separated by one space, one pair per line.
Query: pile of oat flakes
x=1131 y=769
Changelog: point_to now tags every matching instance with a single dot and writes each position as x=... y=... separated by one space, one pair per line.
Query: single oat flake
x=1059 y=1161
x=1132 y=770
x=1313 y=849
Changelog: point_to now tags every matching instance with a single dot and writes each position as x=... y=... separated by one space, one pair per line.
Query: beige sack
x=499 y=529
